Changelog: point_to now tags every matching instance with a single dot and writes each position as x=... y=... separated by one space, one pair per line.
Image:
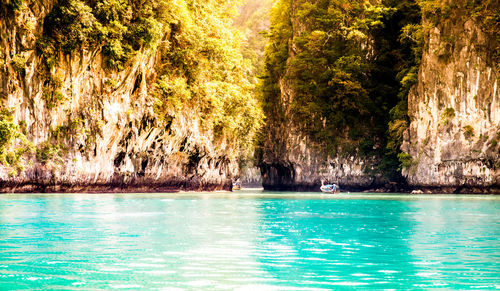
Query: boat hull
x=330 y=189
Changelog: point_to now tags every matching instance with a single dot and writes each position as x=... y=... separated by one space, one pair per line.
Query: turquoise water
x=249 y=240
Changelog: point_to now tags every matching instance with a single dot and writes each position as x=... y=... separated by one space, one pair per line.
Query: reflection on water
x=349 y=242
x=461 y=239
x=248 y=241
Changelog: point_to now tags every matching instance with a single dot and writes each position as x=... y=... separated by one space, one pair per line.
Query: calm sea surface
x=249 y=240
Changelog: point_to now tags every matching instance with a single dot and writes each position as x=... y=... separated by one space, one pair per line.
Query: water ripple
x=253 y=243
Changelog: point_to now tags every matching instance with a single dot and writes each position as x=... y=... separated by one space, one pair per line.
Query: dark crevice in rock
x=137 y=84
x=119 y=159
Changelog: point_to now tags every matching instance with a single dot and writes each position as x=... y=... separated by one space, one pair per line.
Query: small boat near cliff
x=331 y=188
x=237 y=186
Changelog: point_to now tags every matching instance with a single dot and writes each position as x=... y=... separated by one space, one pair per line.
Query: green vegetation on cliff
x=340 y=72
x=347 y=65
x=13 y=143
x=486 y=13
x=200 y=67
x=121 y=28
x=183 y=65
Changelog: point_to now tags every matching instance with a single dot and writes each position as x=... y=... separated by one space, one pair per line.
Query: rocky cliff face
x=455 y=109
x=100 y=131
x=291 y=159
x=452 y=142
x=295 y=163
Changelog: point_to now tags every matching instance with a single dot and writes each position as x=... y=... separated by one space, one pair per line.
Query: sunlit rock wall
x=110 y=137
x=455 y=111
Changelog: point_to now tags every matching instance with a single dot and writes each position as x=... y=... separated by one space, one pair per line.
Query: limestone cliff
x=454 y=134
x=100 y=130
x=334 y=71
x=316 y=108
x=296 y=163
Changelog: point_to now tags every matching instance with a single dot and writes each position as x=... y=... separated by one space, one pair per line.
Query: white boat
x=237 y=186
x=331 y=188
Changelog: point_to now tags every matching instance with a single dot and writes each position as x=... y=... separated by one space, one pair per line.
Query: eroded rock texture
x=455 y=110
x=291 y=158
x=103 y=134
